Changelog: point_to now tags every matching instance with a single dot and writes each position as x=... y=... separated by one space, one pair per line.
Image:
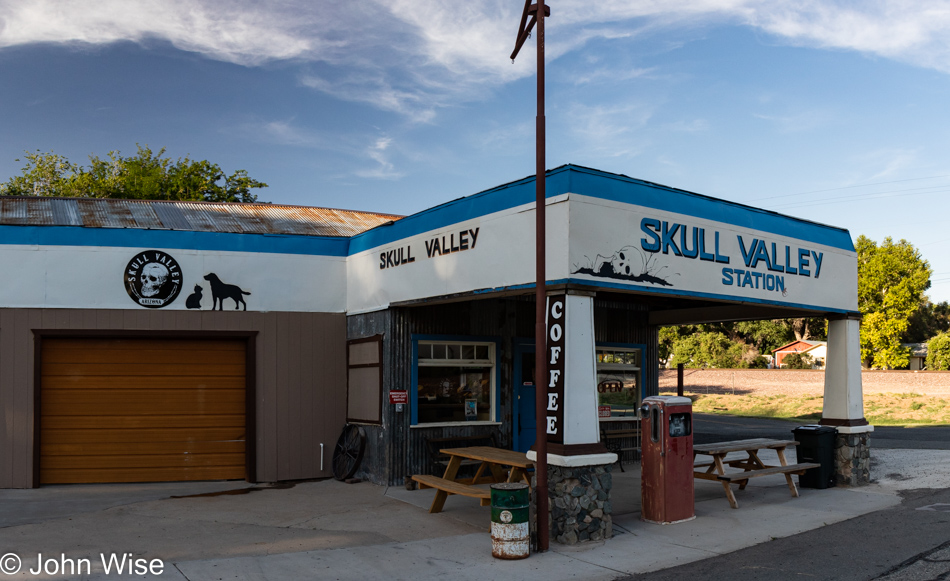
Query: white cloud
x=384 y=169
x=414 y=57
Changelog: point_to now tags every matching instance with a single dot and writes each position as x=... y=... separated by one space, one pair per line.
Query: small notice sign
x=396 y=397
x=603 y=411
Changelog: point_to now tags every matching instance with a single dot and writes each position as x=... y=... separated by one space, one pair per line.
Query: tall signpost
x=537 y=13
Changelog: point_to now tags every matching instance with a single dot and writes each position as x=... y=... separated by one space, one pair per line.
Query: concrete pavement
x=331 y=530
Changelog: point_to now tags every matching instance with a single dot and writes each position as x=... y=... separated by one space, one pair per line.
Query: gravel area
x=802 y=382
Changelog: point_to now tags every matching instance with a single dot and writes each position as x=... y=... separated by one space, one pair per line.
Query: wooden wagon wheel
x=348 y=452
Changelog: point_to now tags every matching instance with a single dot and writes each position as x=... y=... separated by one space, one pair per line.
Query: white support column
x=844 y=403
x=579 y=429
x=844 y=398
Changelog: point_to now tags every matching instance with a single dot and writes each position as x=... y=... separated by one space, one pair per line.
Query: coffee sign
x=554 y=418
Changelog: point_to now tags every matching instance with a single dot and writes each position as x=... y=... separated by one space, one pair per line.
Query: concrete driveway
x=332 y=530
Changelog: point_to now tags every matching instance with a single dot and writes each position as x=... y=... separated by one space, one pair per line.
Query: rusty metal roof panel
x=145 y=216
x=171 y=216
x=188 y=216
x=113 y=215
x=63 y=212
x=14 y=211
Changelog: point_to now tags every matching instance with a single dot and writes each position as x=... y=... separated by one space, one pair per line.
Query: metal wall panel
x=306 y=350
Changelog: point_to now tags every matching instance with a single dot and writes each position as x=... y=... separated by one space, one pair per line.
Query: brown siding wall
x=299 y=374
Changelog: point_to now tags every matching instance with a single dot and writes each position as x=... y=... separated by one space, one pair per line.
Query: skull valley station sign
x=153 y=279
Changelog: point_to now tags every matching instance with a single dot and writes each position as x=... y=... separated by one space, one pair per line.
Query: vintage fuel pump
x=667 y=460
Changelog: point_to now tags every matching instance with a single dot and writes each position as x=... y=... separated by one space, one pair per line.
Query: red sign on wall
x=398 y=397
x=603 y=411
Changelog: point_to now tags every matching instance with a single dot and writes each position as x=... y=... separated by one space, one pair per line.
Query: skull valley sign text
x=153 y=279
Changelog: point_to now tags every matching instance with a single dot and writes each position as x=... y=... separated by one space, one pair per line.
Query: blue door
x=525 y=416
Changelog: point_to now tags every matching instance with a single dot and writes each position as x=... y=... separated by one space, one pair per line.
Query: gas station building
x=417 y=327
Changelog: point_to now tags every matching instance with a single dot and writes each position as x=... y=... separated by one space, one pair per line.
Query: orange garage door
x=142 y=410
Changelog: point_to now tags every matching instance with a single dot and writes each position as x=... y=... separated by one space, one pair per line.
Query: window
x=364 y=375
x=455 y=381
x=618 y=379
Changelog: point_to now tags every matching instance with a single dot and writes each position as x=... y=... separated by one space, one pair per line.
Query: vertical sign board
x=556 y=318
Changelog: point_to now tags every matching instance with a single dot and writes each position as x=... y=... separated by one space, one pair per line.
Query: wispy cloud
x=414 y=57
x=609 y=131
x=384 y=168
x=797 y=122
x=694 y=126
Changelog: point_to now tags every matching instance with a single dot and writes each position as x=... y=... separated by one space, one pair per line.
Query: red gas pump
x=666 y=480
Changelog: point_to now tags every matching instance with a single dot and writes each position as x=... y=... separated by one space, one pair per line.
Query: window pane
x=454 y=394
x=425 y=351
x=468 y=352
x=454 y=351
x=481 y=352
x=620 y=390
x=438 y=351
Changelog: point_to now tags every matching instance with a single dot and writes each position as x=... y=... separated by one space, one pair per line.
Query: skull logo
x=153 y=277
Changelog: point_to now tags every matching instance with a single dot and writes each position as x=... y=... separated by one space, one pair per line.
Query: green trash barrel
x=509 y=520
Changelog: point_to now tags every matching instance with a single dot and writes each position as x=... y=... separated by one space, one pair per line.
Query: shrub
x=798 y=361
x=938 y=352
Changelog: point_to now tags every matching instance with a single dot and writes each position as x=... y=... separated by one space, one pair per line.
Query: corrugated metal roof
x=190 y=216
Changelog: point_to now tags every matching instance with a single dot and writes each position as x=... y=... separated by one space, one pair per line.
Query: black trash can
x=816 y=444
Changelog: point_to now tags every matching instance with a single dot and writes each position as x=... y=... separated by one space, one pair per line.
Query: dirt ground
x=802 y=382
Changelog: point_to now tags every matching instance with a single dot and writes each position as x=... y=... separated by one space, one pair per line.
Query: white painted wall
x=92 y=277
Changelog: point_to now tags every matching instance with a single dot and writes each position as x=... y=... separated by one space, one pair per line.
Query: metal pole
x=540 y=326
x=679 y=379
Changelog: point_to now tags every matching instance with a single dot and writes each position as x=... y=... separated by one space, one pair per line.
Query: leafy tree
x=147 y=175
x=708 y=349
x=892 y=279
x=938 y=352
x=927 y=321
x=798 y=361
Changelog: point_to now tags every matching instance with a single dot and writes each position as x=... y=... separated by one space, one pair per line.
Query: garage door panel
x=143 y=448
x=159 y=461
x=144 y=435
x=134 y=369
x=175 y=474
x=158 y=356
x=137 y=422
x=134 y=410
x=143 y=382
x=131 y=402
x=167 y=345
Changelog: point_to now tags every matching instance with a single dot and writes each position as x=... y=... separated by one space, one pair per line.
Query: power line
x=847 y=188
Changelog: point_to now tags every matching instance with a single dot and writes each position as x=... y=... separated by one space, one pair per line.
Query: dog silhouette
x=194 y=299
x=221 y=291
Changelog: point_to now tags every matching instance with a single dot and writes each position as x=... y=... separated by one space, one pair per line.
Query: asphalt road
x=908 y=542
x=708 y=428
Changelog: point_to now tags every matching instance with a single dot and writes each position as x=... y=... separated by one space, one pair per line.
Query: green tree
x=938 y=352
x=798 y=361
x=892 y=279
x=147 y=175
x=927 y=321
x=707 y=349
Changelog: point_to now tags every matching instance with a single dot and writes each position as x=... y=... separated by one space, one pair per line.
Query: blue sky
x=835 y=111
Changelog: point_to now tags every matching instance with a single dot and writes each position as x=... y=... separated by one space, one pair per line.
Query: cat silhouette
x=194 y=299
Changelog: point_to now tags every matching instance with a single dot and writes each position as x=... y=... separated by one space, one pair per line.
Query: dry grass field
x=890 y=397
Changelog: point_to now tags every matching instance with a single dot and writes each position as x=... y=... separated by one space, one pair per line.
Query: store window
x=618 y=379
x=455 y=381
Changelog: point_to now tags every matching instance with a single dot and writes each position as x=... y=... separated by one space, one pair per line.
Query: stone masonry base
x=580 y=508
x=853 y=459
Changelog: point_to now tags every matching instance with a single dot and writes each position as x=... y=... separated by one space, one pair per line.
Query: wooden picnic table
x=752 y=466
x=497 y=465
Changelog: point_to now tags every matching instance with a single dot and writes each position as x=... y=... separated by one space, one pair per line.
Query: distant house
x=918 y=355
x=816 y=349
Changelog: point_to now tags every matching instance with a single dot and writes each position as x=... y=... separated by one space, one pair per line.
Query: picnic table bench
x=495 y=465
x=752 y=466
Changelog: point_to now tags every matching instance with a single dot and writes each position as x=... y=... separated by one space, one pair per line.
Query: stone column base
x=579 y=499
x=853 y=459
